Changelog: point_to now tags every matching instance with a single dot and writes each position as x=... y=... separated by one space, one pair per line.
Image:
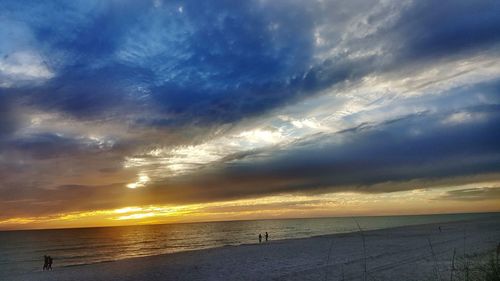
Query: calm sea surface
x=22 y=251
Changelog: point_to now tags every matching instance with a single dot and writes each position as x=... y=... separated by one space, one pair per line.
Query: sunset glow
x=146 y=112
x=283 y=206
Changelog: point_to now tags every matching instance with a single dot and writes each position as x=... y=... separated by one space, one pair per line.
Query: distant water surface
x=22 y=251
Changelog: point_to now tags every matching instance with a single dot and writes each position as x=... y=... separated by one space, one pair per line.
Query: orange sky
x=419 y=201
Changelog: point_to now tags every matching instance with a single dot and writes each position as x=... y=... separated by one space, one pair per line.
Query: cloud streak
x=473 y=194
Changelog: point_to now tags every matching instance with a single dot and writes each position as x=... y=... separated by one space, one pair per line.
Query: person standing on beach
x=260 y=238
x=267 y=236
x=45 y=262
x=49 y=267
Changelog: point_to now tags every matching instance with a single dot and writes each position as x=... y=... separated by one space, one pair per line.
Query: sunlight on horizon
x=280 y=206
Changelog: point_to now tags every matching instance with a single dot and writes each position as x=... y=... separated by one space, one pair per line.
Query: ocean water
x=23 y=251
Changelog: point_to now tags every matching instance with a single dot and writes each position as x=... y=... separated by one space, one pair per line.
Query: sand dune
x=402 y=253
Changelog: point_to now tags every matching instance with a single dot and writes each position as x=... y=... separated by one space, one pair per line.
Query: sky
x=132 y=112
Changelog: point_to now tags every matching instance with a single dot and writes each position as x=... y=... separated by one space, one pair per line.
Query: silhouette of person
x=260 y=238
x=45 y=262
x=267 y=236
x=50 y=263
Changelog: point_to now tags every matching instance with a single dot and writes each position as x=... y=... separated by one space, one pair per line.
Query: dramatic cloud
x=109 y=104
x=473 y=194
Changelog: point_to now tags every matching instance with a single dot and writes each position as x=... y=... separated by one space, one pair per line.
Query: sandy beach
x=402 y=253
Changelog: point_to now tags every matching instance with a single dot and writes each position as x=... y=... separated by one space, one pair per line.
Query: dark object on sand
x=260 y=238
x=267 y=236
x=45 y=262
x=50 y=263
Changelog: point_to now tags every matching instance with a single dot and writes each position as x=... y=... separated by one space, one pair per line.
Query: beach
x=419 y=252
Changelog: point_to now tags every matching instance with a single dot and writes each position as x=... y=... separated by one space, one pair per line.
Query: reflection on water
x=23 y=250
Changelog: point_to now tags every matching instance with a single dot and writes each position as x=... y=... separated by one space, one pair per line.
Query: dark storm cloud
x=54 y=200
x=420 y=147
x=423 y=147
x=86 y=95
x=451 y=27
x=221 y=61
x=46 y=146
x=10 y=120
x=223 y=58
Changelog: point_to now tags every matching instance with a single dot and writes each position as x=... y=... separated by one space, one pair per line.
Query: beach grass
x=477 y=268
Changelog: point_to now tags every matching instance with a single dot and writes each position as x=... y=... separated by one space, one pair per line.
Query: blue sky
x=127 y=103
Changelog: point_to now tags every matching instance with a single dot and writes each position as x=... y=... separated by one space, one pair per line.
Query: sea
x=23 y=251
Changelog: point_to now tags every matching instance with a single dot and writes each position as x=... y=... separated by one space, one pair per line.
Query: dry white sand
x=401 y=253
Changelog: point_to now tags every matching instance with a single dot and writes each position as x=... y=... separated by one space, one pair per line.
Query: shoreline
x=389 y=251
x=325 y=236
